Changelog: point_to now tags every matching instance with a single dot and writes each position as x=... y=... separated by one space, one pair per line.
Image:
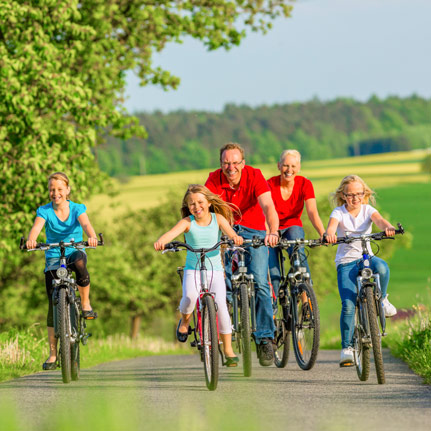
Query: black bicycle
x=205 y=322
x=243 y=302
x=297 y=310
x=69 y=325
x=369 y=312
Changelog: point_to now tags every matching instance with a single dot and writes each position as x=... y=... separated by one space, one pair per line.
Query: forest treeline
x=186 y=140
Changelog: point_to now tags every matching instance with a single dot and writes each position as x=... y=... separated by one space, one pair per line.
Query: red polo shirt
x=290 y=210
x=251 y=186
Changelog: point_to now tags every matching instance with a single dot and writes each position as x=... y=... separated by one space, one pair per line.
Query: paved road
x=166 y=392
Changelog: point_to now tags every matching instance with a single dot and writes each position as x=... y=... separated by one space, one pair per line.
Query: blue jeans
x=256 y=260
x=346 y=276
x=292 y=232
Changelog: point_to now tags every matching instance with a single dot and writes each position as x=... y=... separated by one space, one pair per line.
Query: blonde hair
x=219 y=206
x=60 y=176
x=338 y=196
x=285 y=153
x=231 y=146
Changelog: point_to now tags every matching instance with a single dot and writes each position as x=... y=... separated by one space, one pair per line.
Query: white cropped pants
x=216 y=285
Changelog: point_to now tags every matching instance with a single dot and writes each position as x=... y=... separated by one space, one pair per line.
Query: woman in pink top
x=289 y=192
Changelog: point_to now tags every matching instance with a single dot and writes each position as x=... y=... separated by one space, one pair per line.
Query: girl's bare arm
x=182 y=226
x=383 y=224
x=37 y=227
x=84 y=221
x=226 y=228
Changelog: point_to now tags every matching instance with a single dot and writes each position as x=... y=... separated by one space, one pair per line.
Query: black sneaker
x=265 y=352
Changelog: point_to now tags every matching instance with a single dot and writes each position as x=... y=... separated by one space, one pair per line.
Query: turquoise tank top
x=204 y=237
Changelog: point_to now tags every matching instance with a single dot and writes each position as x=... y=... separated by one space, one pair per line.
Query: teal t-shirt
x=57 y=230
x=204 y=237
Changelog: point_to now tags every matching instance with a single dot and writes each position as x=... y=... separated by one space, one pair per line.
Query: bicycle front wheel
x=74 y=351
x=210 y=342
x=305 y=326
x=282 y=334
x=245 y=330
x=361 y=349
x=63 y=318
x=376 y=338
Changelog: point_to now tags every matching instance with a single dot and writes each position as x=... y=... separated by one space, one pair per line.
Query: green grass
x=410 y=340
x=23 y=352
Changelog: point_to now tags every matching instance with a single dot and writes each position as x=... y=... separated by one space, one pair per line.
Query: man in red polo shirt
x=246 y=188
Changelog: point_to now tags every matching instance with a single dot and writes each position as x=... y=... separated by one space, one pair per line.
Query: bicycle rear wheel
x=282 y=334
x=63 y=310
x=245 y=330
x=305 y=326
x=376 y=338
x=361 y=349
x=210 y=342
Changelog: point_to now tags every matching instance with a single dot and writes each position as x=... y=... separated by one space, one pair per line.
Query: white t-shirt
x=348 y=225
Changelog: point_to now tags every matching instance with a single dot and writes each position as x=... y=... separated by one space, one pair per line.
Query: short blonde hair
x=338 y=197
x=219 y=206
x=285 y=153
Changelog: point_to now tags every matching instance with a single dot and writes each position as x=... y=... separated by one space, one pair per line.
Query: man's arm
x=271 y=218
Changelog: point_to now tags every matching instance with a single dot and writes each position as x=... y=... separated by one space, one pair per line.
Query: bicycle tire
x=63 y=310
x=245 y=330
x=75 y=347
x=376 y=339
x=282 y=336
x=305 y=327
x=210 y=342
x=361 y=350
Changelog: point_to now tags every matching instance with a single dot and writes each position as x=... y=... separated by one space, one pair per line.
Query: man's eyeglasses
x=354 y=195
x=234 y=164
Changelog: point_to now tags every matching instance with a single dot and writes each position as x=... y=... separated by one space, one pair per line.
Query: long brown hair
x=338 y=197
x=219 y=206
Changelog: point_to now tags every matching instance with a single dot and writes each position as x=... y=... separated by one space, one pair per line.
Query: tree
x=62 y=76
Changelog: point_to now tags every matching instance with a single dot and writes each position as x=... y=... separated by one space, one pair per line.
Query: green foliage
x=132 y=278
x=62 y=77
x=318 y=130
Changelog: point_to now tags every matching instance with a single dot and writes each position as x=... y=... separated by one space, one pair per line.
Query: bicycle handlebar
x=43 y=246
x=175 y=246
x=367 y=237
x=286 y=243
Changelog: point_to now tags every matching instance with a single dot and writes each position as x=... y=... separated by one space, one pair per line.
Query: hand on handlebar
x=329 y=238
x=92 y=242
x=271 y=239
x=159 y=245
x=31 y=243
x=237 y=240
x=390 y=231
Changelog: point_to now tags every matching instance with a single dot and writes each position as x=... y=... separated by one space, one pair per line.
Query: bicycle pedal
x=347 y=364
x=193 y=344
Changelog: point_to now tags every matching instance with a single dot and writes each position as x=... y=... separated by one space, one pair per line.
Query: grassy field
x=382 y=170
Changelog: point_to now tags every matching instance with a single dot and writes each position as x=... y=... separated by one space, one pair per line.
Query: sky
x=326 y=49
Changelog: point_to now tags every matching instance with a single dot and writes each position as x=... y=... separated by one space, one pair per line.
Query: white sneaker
x=388 y=308
x=347 y=359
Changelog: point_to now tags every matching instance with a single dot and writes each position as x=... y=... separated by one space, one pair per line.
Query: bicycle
x=205 y=322
x=69 y=325
x=243 y=302
x=370 y=321
x=297 y=310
